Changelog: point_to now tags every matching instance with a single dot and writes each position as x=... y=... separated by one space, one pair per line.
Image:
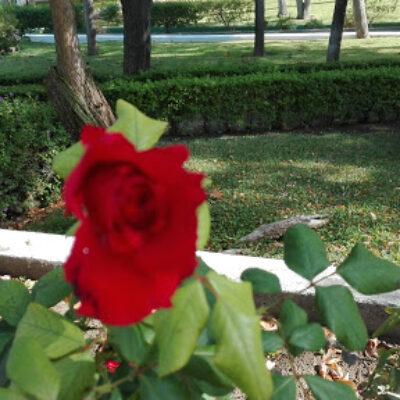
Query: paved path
x=223 y=37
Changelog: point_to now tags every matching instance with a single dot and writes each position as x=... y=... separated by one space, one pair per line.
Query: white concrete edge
x=49 y=250
x=219 y=37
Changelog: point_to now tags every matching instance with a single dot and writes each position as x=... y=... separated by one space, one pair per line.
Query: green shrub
x=175 y=14
x=39 y=17
x=258 y=101
x=227 y=12
x=379 y=8
x=285 y=24
x=30 y=136
x=8 y=33
x=111 y=14
x=314 y=23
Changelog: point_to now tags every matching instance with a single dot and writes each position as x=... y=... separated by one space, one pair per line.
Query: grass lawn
x=261 y=179
x=323 y=11
x=34 y=59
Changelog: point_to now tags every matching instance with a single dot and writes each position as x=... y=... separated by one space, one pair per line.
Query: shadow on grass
x=354 y=179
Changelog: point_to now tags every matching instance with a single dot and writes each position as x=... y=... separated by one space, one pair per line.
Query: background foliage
x=30 y=136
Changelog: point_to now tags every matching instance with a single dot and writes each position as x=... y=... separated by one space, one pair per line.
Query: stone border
x=31 y=255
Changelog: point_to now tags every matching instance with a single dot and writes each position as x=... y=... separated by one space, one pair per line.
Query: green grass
x=34 y=59
x=323 y=10
x=355 y=179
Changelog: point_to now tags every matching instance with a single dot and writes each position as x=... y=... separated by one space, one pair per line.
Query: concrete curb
x=33 y=254
x=220 y=37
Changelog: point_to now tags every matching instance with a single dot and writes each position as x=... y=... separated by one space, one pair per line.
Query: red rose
x=112 y=366
x=137 y=238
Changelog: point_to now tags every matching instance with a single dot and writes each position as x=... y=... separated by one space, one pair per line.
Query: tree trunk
x=336 y=34
x=90 y=28
x=307 y=9
x=360 y=19
x=303 y=9
x=282 y=9
x=259 y=29
x=300 y=9
x=137 y=39
x=70 y=86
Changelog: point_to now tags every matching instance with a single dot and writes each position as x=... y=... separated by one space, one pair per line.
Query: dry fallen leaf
x=216 y=194
x=270 y=325
x=372 y=348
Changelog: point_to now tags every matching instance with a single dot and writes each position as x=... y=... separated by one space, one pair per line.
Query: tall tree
x=92 y=49
x=282 y=9
x=137 y=38
x=360 y=19
x=70 y=86
x=335 y=37
x=303 y=9
x=259 y=28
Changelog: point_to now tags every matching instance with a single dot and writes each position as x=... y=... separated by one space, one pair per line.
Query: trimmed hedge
x=218 y=71
x=264 y=101
x=30 y=136
x=36 y=17
x=176 y=13
x=213 y=105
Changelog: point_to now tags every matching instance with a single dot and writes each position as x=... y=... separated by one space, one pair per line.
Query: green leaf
x=54 y=333
x=77 y=375
x=142 y=131
x=327 y=390
x=285 y=388
x=304 y=252
x=178 y=329
x=9 y=394
x=271 y=342
x=262 y=281
x=203 y=225
x=207 y=388
x=72 y=229
x=340 y=314
x=168 y=388
x=130 y=342
x=4 y=381
x=204 y=370
x=116 y=395
x=51 y=288
x=31 y=371
x=291 y=317
x=309 y=337
x=65 y=161
x=14 y=299
x=236 y=330
x=203 y=269
x=6 y=335
x=369 y=274
x=391 y=323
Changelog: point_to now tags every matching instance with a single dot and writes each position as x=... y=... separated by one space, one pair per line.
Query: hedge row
x=264 y=101
x=35 y=17
x=245 y=69
x=171 y=14
x=225 y=70
x=211 y=105
x=30 y=136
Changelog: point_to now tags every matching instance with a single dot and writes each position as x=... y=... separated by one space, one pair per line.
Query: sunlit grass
x=262 y=179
